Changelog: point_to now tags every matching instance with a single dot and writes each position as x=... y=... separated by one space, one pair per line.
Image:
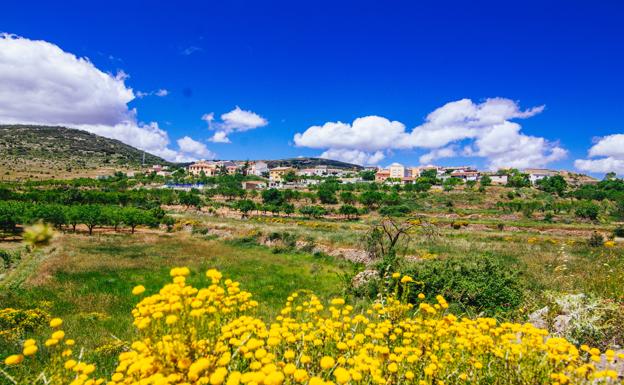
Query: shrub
x=8 y=257
x=619 y=232
x=471 y=285
x=595 y=240
x=587 y=210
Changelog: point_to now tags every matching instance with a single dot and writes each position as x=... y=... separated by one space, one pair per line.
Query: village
x=289 y=177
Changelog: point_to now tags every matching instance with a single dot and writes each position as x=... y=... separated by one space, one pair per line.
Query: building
x=276 y=175
x=499 y=179
x=258 y=168
x=397 y=170
x=209 y=168
x=536 y=174
x=307 y=172
x=253 y=185
x=465 y=175
x=382 y=175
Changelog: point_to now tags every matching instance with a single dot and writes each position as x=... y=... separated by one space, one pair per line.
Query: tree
x=112 y=216
x=348 y=211
x=290 y=176
x=368 y=175
x=347 y=197
x=485 y=181
x=371 y=199
x=587 y=210
x=245 y=206
x=430 y=175
x=386 y=235
x=134 y=217
x=554 y=184
x=288 y=208
x=189 y=199
x=272 y=196
x=327 y=195
x=312 y=211
x=91 y=216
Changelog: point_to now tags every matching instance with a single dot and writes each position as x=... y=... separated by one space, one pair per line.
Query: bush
x=8 y=257
x=479 y=285
x=587 y=210
x=596 y=240
x=619 y=232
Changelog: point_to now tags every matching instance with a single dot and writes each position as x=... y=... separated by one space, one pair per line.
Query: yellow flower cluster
x=62 y=366
x=210 y=336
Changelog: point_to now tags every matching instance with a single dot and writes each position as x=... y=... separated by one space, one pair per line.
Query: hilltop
x=45 y=151
x=305 y=162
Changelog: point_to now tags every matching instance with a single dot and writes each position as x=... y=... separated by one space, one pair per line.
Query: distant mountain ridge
x=308 y=162
x=59 y=150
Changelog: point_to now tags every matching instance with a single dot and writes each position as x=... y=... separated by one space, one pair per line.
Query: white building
x=258 y=168
x=499 y=179
x=536 y=174
x=397 y=170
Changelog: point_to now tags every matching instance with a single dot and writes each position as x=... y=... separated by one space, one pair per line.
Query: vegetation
x=311 y=342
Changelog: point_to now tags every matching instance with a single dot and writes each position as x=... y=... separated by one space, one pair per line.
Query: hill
x=310 y=163
x=45 y=151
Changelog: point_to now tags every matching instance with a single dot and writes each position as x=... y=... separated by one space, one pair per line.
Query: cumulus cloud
x=353 y=156
x=608 y=154
x=481 y=124
x=194 y=148
x=237 y=120
x=439 y=153
x=42 y=84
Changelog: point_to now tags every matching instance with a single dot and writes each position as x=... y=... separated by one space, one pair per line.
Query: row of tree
x=13 y=213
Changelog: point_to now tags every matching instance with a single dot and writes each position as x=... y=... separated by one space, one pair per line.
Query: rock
x=539 y=318
x=561 y=324
x=364 y=277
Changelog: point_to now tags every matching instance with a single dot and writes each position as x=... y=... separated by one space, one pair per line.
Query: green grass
x=88 y=280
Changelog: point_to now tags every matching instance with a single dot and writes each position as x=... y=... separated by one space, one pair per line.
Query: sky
x=484 y=83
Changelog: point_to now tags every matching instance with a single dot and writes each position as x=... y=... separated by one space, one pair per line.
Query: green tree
x=245 y=206
x=554 y=184
x=348 y=211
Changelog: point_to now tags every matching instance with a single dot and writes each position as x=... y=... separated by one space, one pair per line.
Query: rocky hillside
x=37 y=151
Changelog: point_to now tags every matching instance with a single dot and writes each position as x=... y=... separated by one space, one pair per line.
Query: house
x=230 y=167
x=258 y=168
x=536 y=174
x=276 y=175
x=307 y=172
x=465 y=175
x=499 y=179
x=208 y=167
x=397 y=170
x=382 y=175
x=253 y=185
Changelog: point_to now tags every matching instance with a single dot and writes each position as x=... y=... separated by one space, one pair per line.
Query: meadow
x=483 y=259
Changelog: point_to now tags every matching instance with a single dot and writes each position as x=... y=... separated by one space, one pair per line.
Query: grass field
x=88 y=280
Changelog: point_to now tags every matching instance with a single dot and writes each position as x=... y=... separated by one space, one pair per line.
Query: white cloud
x=194 y=148
x=42 y=84
x=237 y=120
x=160 y=92
x=444 y=152
x=453 y=123
x=354 y=156
x=610 y=149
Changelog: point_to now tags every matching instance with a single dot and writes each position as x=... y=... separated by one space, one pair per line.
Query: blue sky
x=300 y=64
